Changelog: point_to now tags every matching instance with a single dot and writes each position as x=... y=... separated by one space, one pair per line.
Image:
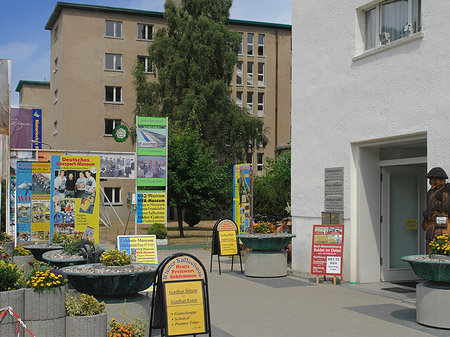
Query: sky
x=24 y=40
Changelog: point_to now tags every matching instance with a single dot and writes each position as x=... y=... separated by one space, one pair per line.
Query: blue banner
x=37 y=129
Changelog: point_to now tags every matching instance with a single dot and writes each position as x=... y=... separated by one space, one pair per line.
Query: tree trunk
x=180 y=221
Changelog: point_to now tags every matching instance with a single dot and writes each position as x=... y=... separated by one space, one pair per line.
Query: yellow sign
x=411 y=224
x=228 y=244
x=185 y=308
x=182 y=268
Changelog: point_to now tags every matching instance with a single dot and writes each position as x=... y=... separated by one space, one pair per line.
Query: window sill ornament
x=121 y=133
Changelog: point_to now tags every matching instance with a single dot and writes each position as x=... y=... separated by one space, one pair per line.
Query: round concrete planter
x=8 y=247
x=38 y=249
x=15 y=300
x=430 y=269
x=82 y=326
x=61 y=263
x=104 y=283
x=162 y=242
x=23 y=262
x=45 y=314
x=265 y=242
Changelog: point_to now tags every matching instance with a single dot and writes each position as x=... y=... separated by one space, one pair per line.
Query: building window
x=250 y=44
x=113 y=94
x=145 y=32
x=390 y=21
x=260 y=104
x=239 y=98
x=260 y=131
x=56 y=96
x=113 y=29
x=113 y=61
x=112 y=194
x=250 y=102
x=249 y=73
x=260 y=44
x=148 y=68
x=260 y=74
x=241 y=36
x=249 y=158
x=239 y=73
x=110 y=125
x=56 y=33
x=260 y=161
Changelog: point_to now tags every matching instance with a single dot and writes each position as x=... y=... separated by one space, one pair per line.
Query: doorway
x=403 y=193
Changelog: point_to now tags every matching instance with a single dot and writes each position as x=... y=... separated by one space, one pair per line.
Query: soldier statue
x=435 y=217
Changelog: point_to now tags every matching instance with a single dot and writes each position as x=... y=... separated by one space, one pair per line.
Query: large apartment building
x=93 y=52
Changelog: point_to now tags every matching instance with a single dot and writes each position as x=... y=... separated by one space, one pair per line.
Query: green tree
x=196 y=182
x=272 y=192
x=194 y=59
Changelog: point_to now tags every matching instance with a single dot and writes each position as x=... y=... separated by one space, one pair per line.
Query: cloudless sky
x=24 y=40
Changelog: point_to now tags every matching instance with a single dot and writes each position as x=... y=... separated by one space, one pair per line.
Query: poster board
x=225 y=242
x=242 y=197
x=327 y=250
x=142 y=248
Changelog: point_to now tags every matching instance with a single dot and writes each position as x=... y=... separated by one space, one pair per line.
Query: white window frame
x=260 y=161
x=261 y=75
x=116 y=33
x=241 y=44
x=116 y=62
x=239 y=98
x=261 y=45
x=147 y=28
x=250 y=102
x=113 y=195
x=239 y=72
x=115 y=122
x=114 y=92
x=408 y=28
x=145 y=61
x=250 y=66
x=260 y=104
x=250 y=44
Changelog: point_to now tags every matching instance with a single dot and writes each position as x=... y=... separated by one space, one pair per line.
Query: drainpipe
x=276 y=90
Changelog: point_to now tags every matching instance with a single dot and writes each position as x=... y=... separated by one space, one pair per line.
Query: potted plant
x=86 y=316
x=23 y=258
x=160 y=230
x=7 y=242
x=128 y=328
x=11 y=295
x=38 y=249
x=70 y=254
x=44 y=300
x=115 y=275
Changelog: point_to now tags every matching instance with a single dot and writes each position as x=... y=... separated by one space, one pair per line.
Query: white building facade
x=370 y=94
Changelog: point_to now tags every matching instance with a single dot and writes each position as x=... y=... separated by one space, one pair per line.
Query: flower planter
x=96 y=279
x=38 y=249
x=265 y=242
x=82 y=326
x=431 y=269
x=15 y=300
x=162 y=242
x=8 y=247
x=44 y=312
x=61 y=263
x=23 y=262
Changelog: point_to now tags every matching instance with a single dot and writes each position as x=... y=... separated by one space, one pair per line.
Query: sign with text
x=242 y=196
x=142 y=248
x=151 y=208
x=327 y=250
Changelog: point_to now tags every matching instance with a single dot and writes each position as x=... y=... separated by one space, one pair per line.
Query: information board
x=228 y=243
x=225 y=242
x=327 y=250
x=151 y=208
x=142 y=248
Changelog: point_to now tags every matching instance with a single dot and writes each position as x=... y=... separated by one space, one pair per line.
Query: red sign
x=327 y=250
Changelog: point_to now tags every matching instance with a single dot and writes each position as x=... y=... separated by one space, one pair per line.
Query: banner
x=242 y=197
x=37 y=129
x=33 y=201
x=75 y=182
x=327 y=250
x=21 y=122
x=5 y=90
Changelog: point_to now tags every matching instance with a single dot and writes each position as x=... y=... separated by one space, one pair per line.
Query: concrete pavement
x=296 y=306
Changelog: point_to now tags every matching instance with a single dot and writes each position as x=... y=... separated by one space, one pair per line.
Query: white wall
x=340 y=102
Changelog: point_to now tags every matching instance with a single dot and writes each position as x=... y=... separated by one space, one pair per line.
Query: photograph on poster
x=151 y=167
x=39 y=235
x=117 y=166
x=41 y=183
x=151 y=136
x=74 y=184
x=23 y=236
x=64 y=218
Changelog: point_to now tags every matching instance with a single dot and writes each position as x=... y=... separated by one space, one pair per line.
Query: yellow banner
x=228 y=244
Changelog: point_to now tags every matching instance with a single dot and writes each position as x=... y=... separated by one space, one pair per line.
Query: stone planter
x=82 y=326
x=15 y=300
x=162 y=242
x=8 y=247
x=45 y=314
x=96 y=279
x=265 y=242
x=61 y=263
x=39 y=249
x=431 y=269
x=23 y=262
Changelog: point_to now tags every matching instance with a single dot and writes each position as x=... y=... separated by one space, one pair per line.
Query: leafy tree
x=196 y=182
x=194 y=59
x=272 y=192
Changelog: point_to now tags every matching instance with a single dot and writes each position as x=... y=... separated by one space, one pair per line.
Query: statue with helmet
x=435 y=217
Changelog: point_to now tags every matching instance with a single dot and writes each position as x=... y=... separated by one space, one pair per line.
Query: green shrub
x=10 y=276
x=84 y=305
x=20 y=251
x=192 y=216
x=158 y=229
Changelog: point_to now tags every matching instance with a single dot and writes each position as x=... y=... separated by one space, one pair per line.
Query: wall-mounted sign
x=327 y=250
x=121 y=133
x=334 y=189
x=411 y=224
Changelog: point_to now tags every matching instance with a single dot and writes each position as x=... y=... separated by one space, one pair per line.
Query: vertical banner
x=33 y=201
x=75 y=182
x=242 y=196
x=151 y=206
x=5 y=92
x=37 y=129
x=327 y=250
x=21 y=123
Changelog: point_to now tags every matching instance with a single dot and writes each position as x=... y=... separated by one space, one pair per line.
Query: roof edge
x=22 y=82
